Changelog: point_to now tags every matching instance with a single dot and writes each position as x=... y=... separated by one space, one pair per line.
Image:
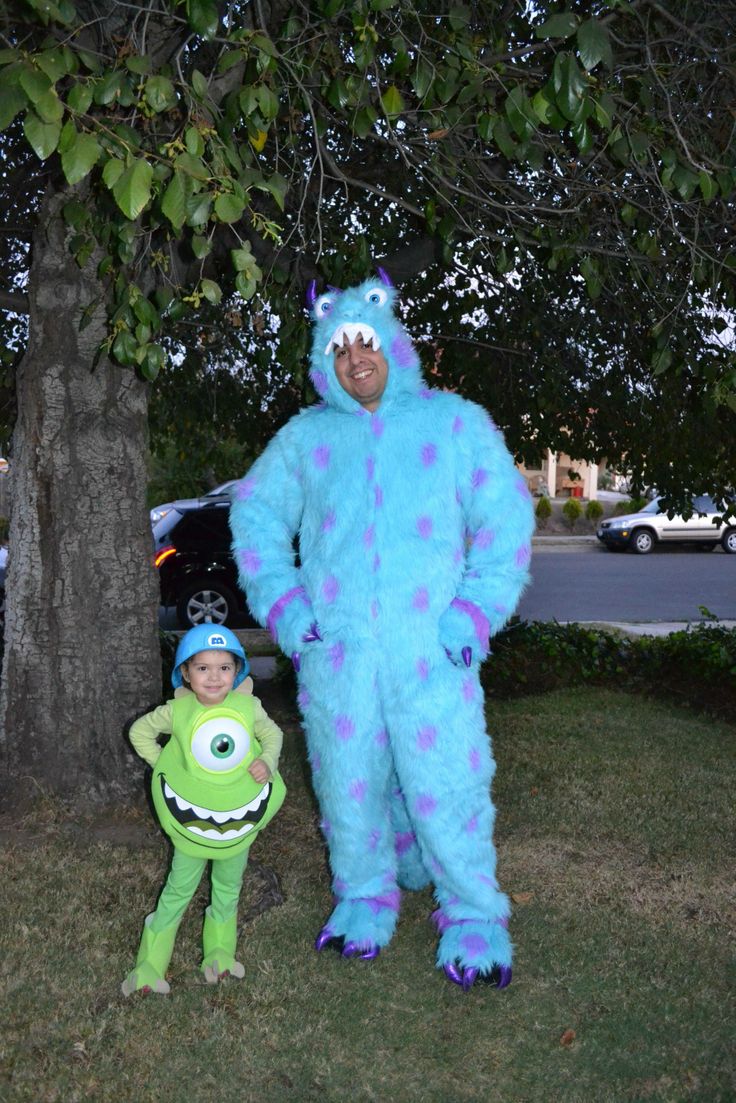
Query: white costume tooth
x=168 y=791
x=348 y=331
x=203 y=813
x=181 y=803
x=222 y=817
x=226 y=836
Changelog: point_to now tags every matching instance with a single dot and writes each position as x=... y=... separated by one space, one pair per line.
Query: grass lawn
x=615 y=839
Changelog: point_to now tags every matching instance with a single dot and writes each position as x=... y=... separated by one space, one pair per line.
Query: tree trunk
x=81 y=638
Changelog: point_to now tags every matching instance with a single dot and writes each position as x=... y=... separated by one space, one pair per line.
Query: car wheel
x=728 y=541
x=206 y=602
x=641 y=541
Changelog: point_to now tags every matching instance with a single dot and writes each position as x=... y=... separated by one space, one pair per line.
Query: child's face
x=210 y=675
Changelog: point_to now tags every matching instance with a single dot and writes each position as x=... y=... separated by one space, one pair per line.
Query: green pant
x=184 y=877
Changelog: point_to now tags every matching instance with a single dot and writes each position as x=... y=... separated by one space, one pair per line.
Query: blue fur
x=399 y=514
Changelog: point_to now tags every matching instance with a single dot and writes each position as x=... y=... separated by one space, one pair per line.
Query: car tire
x=642 y=541
x=206 y=602
x=728 y=541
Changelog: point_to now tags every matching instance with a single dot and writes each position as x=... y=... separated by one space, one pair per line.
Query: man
x=414 y=540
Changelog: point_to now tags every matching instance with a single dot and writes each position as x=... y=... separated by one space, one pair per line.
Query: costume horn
x=384 y=276
x=311 y=293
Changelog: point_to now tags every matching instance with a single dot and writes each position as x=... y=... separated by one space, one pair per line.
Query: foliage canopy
x=570 y=171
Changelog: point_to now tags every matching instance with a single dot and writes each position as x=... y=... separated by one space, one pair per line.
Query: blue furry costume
x=414 y=532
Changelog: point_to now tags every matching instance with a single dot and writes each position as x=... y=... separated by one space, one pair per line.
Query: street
x=592 y=584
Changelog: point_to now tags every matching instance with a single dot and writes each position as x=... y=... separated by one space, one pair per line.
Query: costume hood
x=368 y=310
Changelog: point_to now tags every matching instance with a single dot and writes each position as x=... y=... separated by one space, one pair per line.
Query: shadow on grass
x=613 y=838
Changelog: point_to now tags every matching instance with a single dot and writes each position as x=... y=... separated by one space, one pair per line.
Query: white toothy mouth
x=348 y=331
x=209 y=823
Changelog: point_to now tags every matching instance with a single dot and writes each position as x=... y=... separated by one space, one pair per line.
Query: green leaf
x=203 y=17
x=422 y=78
x=133 y=190
x=593 y=44
x=392 y=101
x=34 y=83
x=53 y=63
x=124 y=348
x=543 y=108
x=605 y=110
x=241 y=258
x=75 y=213
x=503 y=139
x=194 y=142
x=267 y=101
x=278 y=187
x=159 y=94
x=112 y=171
x=245 y=286
x=661 y=361
x=79 y=98
x=582 y=137
x=518 y=110
x=708 y=186
x=138 y=64
x=227 y=60
x=199 y=84
x=685 y=181
x=199 y=207
x=174 y=201
x=152 y=362
x=80 y=158
x=628 y=214
x=42 y=137
x=364 y=120
x=201 y=246
x=211 y=291
x=192 y=166
x=108 y=89
x=485 y=126
x=12 y=101
x=229 y=208
x=49 y=107
x=561 y=25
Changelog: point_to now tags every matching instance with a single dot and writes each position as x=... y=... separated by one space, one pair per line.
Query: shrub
x=543 y=511
x=632 y=505
x=572 y=511
x=696 y=667
x=593 y=511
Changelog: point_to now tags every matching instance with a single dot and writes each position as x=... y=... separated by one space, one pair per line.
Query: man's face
x=362 y=371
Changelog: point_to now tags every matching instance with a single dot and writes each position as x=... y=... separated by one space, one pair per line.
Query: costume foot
x=218 y=941
x=328 y=939
x=152 y=962
x=499 y=977
x=360 y=927
x=220 y=967
x=473 y=950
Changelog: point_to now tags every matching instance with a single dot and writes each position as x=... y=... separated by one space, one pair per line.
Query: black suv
x=195 y=566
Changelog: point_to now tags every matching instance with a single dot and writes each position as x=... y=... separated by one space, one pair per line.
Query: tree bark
x=81 y=638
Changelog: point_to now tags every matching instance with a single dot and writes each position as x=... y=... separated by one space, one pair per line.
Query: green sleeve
x=145 y=731
x=268 y=734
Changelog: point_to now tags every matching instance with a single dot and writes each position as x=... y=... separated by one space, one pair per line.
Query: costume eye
x=323 y=306
x=377 y=297
x=220 y=744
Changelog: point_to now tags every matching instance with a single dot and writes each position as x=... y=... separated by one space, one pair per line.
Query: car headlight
x=158 y=515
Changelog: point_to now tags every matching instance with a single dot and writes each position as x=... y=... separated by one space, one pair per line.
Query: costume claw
x=469 y=976
x=312 y=634
x=504 y=976
x=296 y=660
x=354 y=949
x=327 y=937
x=467 y=654
x=453 y=973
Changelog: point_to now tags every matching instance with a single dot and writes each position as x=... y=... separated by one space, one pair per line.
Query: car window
x=704 y=504
x=652 y=507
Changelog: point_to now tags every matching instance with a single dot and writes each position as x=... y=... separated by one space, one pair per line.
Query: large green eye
x=220 y=743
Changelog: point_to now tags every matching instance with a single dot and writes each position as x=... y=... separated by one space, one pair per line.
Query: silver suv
x=641 y=531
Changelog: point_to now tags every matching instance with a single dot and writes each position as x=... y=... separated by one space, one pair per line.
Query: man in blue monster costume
x=414 y=532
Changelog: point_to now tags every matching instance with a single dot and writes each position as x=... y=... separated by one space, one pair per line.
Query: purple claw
x=467 y=654
x=324 y=938
x=469 y=976
x=504 y=976
x=358 y=949
x=312 y=634
x=296 y=660
x=453 y=973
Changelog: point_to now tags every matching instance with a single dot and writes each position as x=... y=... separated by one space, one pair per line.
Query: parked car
x=196 y=570
x=159 y=512
x=641 y=532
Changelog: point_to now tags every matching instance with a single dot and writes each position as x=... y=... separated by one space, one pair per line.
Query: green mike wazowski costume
x=208 y=804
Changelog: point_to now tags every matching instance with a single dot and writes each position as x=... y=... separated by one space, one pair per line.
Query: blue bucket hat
x=207 y=637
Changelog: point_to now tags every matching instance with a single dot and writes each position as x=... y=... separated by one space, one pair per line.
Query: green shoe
x=152 y=962
x=218 y=942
